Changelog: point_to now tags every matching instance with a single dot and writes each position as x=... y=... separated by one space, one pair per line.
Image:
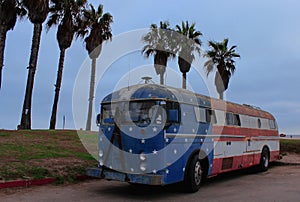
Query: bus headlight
x=100 y=153
x=142 y=156
x=143 y=167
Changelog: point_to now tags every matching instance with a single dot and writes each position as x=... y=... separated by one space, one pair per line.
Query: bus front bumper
x=118 y=176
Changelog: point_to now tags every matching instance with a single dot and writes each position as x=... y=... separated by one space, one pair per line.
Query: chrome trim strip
x=178 y=135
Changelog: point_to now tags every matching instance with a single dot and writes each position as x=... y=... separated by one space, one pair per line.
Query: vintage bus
x=157 y=135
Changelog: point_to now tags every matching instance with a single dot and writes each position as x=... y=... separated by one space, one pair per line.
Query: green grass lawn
x=44 y=153
x=289 y=146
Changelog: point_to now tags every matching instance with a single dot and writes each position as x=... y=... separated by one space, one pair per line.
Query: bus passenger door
x=248 y=157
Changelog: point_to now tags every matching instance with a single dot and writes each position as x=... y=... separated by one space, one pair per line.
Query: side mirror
x=98 y=119
x=109 y=120
x=173 y=116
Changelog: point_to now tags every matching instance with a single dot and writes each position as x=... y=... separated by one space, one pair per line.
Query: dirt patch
x=291 y=158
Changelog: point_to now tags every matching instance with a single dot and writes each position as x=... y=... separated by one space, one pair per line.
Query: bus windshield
x=140 y=113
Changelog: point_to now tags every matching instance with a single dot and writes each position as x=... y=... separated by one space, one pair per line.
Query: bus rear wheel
x=194 y=175
x=264 y=160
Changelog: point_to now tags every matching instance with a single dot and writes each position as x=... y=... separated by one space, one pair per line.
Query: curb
x=281 y=163
x=27 y=183
x=37 y=182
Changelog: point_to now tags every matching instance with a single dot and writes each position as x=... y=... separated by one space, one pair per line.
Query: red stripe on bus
x=248 y=132
x=243 y=161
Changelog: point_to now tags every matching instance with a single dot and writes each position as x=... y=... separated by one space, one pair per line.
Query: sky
x=266 y=34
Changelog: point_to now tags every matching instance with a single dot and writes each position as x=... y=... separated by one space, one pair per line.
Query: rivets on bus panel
x=154 y=129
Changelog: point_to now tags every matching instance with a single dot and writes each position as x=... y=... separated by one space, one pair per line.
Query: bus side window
x=201 y=114
x=272 y=124
x=229 y=119
x=237 y=120
x=173 y=112
x=233 y=119
x=259 y=123
x=211 y=116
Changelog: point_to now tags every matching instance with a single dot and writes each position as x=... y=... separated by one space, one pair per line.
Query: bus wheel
x=264 y=160
x=194 y=175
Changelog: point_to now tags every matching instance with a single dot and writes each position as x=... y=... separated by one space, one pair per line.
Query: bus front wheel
x=194 y=175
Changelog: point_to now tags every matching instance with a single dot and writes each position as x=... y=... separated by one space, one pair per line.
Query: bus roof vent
x=252 y=106
x=147 y=79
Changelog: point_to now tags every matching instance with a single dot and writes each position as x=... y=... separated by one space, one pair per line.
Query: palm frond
x=53 y=20
x=221 y=57
x=209 y=66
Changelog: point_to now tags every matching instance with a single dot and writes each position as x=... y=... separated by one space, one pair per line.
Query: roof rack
x=252 y=106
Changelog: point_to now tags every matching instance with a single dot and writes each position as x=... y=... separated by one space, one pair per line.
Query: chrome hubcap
x=266 y=161
x=198 y=173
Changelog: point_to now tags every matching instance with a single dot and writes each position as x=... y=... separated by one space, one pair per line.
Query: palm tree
x=188 y=43
x=66 y=14
x=222 y=58
x=159 y=42
x=9 y=11
x=37 y=13
x=98 y=25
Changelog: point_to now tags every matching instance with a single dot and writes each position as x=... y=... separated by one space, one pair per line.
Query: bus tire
x=194 y=175
x=264 y=160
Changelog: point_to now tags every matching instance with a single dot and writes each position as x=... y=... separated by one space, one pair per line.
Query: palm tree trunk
x=219 y=85
x=26 y=111
x=161 y=79
x=221 y=96
x=184 y=80
x=3 y=32
x=91 y=96
x=57 y=88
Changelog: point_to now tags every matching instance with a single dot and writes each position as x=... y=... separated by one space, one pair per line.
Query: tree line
x=77 y=19
x=74 y=19
x=164 y=43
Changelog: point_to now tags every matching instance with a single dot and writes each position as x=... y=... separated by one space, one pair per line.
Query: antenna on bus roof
x=129 y=72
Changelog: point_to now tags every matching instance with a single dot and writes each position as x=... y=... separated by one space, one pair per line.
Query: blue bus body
x=158 y=148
